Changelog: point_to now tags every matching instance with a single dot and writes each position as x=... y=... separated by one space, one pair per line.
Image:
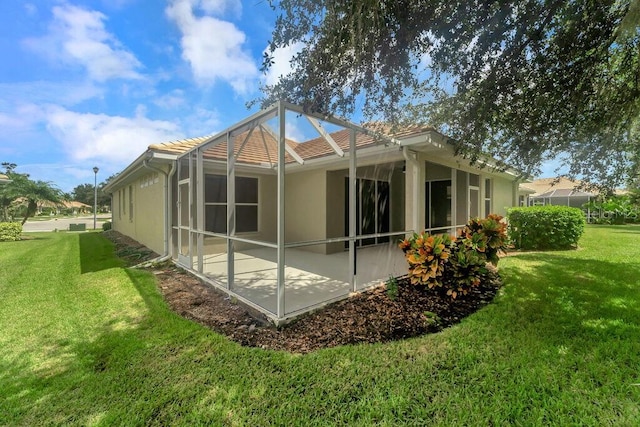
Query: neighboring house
x=288 y=239
x=559 y=192
x=73 y=206
x=4 y=179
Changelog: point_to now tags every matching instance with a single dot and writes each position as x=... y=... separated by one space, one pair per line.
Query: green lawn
x=84 y=341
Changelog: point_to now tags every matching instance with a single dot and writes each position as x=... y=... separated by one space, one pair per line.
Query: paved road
x=63 y=223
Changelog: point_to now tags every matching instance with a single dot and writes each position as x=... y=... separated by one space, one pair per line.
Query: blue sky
x=93 y=83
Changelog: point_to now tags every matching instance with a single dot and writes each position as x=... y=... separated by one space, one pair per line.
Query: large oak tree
x=522 y=81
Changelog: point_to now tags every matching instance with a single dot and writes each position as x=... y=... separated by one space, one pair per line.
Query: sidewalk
x=62 y=224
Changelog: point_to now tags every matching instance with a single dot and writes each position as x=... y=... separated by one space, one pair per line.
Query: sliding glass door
x=372 y=210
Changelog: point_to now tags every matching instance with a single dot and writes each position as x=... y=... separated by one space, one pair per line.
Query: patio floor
x=311 y=278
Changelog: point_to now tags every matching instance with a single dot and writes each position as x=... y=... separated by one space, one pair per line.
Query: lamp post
x=95 y=194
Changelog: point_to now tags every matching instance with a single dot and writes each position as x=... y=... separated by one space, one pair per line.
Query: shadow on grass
x=96 y=253
x=123 y=375
x=575 y=297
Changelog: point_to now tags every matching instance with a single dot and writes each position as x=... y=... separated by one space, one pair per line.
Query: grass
x=87 y=342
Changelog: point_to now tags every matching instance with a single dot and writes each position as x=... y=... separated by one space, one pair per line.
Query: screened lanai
x=287 y=211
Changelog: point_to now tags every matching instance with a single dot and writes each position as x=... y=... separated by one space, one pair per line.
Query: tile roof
x=546 y=186
x=261 y=147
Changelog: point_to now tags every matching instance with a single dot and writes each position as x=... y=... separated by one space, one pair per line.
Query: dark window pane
x=368 y=210
x=474 y=180
x=383 y=210
x=246 y=219
x=216 y=218
x=215 y=189
x=246 y=190
x=487 y=188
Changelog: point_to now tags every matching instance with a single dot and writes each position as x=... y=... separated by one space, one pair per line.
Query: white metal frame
x=254 y=123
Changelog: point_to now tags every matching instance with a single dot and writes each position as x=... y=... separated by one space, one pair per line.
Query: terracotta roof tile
x=261 y=147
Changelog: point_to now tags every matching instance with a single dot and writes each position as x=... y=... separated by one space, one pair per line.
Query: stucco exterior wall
x=147 y=198
x=502 y=198
x=306 y=207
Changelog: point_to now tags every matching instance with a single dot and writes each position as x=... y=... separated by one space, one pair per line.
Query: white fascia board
x=134 y=167
x=433 y=140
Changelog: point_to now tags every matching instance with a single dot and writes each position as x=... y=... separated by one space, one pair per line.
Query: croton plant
x=455 y=264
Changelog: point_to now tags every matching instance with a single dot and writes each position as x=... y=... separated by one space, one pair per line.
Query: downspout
x=416 y=189
x=167 y=212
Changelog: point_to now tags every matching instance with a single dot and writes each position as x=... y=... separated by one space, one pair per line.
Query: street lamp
x=95 y=194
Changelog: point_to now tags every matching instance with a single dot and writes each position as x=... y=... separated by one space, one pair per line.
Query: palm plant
x=24 y=191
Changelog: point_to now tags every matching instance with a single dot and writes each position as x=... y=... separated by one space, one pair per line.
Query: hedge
x=545 y=227
x=10 y=231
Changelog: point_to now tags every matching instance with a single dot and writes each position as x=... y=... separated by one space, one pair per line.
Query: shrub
x=426 y=256
x=455 y=264
x=479 y=243
x=106 y=226
x=10 y=231
x=545 y=227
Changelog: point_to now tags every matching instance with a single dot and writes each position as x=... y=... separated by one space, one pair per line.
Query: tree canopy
x=85 y=193
x=522 y=81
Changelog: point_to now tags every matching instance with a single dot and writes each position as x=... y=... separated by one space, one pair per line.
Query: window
x=215 y=201
x=438 y=204
x=131 y=203
x=120 y=204
x=487 y=196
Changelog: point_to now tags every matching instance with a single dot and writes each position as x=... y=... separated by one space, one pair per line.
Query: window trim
x=256 y=204
x=488 y=193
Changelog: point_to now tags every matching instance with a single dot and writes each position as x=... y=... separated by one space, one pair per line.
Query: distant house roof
x=559 y=187
x=4 y=178
x=72 y=204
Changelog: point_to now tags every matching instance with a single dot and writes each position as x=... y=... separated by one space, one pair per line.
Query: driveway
x=63 y=223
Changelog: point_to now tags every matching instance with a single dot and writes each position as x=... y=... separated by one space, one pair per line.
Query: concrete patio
x=311 y=279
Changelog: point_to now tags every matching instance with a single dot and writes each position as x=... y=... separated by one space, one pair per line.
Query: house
x=4 y=179
x=559 y=191
x=73 y=206
x=286 y=225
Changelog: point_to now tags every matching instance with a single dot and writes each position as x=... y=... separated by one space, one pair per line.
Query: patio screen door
x=184 y=244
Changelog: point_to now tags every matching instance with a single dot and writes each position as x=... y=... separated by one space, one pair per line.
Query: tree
x=520 y=81
x=27 y=192
x=85 y=193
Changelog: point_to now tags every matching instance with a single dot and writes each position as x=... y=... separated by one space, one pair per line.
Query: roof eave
x=124 y=176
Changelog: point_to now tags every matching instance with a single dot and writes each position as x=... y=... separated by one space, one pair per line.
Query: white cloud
x=212 y=47
x=202 y=122
x=104 y=138
x=49 y=92
x=30 y=8
x=78 y=36
x=175 y=98
x=282 y=62
x=219 y=7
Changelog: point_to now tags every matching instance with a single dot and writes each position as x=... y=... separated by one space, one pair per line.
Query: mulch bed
x=366 y=317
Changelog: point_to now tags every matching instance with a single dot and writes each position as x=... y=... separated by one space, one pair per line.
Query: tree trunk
x=31 y=210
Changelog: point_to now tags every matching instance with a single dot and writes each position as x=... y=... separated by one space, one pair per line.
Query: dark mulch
x=366 y=317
